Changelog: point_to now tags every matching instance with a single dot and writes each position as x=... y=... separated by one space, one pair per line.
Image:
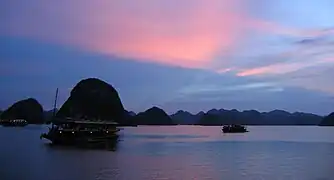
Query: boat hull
x=12 y=124
x=74 y=139
x=244 y=131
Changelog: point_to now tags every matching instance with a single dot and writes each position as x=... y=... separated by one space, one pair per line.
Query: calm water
x=175 y=152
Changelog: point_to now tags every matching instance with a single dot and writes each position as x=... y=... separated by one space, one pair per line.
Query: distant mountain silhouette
x=128 y=119
x=48 y=115
x=184 y=117
x=201 y=113
x=131 y=113
x=219 y=117
x=152 y=116
x=28 y=109
x=328 y=120
x=93 y=99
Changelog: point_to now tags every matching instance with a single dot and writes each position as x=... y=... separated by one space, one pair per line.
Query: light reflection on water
x=175 y=152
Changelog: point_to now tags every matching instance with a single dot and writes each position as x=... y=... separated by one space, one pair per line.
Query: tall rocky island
x=93 y=99
x=28 y=109
x=328 y=120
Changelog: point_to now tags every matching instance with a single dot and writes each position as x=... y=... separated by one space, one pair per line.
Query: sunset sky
x=176 y=54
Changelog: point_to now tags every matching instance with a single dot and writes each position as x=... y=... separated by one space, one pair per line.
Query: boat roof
x=72 y=121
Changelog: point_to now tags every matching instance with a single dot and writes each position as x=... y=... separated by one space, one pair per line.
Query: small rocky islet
x=95 y=99
x=29 y=109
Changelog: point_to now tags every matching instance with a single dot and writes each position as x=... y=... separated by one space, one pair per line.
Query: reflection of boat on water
x=234 y=129
x=81 y=132
x=14 y=122
x=110 y=145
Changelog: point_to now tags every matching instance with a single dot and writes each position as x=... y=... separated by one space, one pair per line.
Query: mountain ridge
x=95 y=99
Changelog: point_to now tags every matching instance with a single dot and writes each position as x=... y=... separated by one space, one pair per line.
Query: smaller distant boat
x=14 y=122
x=234 y=129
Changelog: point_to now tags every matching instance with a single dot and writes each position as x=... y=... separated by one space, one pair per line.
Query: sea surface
x=174 y=152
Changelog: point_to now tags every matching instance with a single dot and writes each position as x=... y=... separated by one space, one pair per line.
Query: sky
x=193 y=55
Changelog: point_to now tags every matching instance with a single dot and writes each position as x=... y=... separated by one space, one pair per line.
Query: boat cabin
x=84 y=126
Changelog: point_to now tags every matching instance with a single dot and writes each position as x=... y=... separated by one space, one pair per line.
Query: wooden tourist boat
x=80 y=132
x=14 y=122
x=68 y=131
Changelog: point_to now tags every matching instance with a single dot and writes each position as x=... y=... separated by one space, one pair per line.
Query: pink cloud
x=273 y=27
x=282 y=68
x=187 y=33
x=224 y=70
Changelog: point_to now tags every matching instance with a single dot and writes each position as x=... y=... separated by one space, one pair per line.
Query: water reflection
x=184 y=152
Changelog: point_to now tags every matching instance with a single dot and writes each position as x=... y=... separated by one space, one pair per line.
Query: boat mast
x=55 y=104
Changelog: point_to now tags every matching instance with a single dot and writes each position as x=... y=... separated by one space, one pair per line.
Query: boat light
x=91 y=132
x=72 y=132
x=107 y=131
x=60 y=132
